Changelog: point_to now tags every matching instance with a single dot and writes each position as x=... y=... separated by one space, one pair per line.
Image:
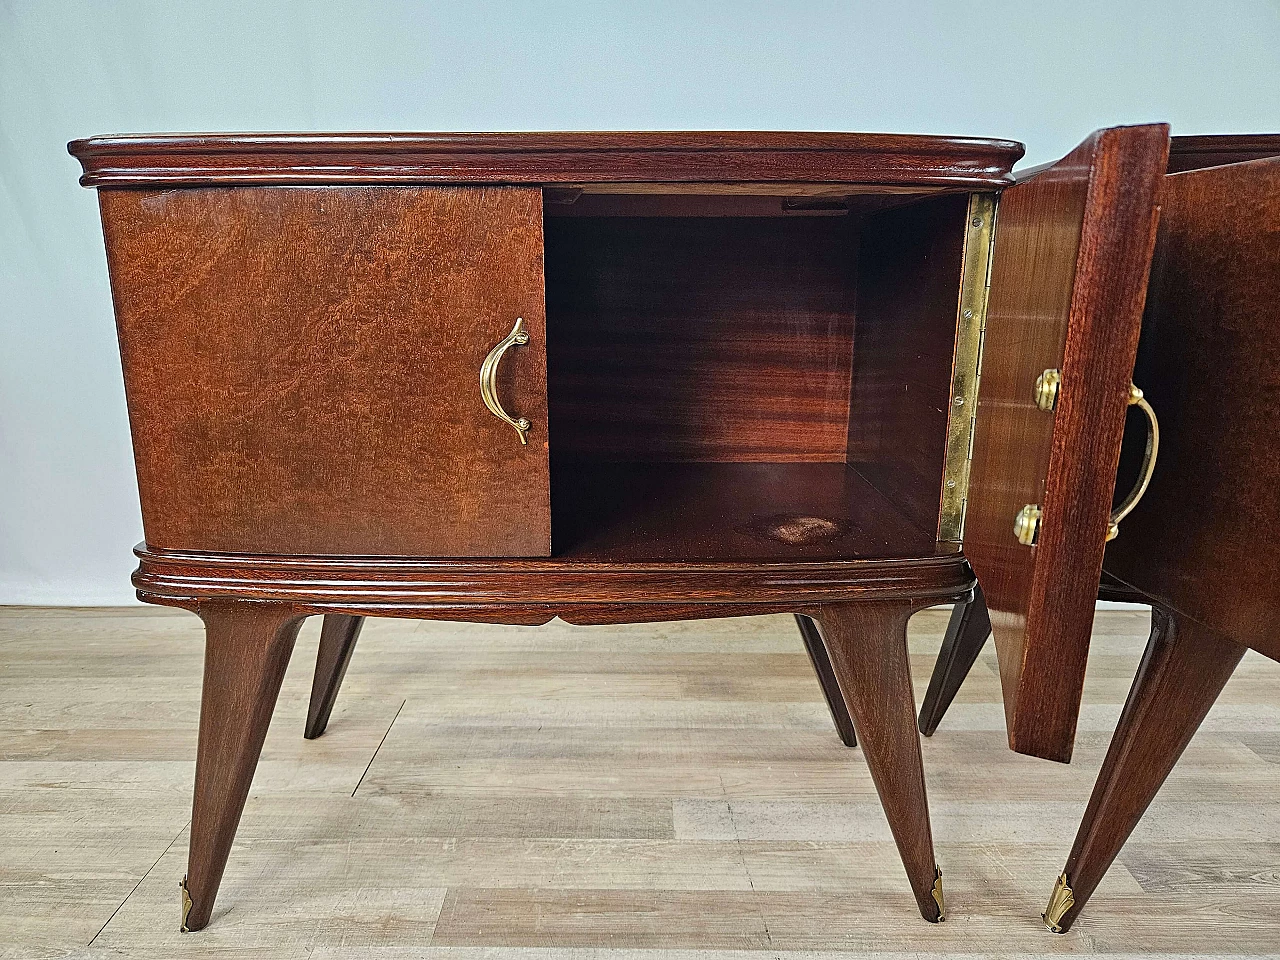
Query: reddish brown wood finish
x=908 y=286
x=1195 y=153
x=337 y=643
x=535 y=591
x=302 y=376
x=967 y=633
x=700 y=338
x=816 y=647
x=247 y=647
x=302 y=368
x=282 y=158
x=674 y=201
x=1185 y=667
x=1073 y=247
x=635 y=513
x=867 y=643
x=1200 y=541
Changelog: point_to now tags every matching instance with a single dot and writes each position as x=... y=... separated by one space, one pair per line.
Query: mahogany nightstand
x=1198 y=547
x=625 y=378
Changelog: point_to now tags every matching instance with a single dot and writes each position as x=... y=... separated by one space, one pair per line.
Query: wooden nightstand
x=625 y=378
x=1198 y=547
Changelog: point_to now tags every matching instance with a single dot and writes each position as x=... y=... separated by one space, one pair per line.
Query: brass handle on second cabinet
x=1026 y=525
x=1148 y=464
x=489 y=379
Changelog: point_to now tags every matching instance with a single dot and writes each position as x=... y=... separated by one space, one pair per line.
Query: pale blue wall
x=1044 y=74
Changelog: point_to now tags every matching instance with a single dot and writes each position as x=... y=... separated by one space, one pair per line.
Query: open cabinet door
x=1068 y=279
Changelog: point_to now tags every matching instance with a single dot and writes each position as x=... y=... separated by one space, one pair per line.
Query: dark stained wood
x=301 y=158
x=700 y=338
x=749 y=355
x=967 y=633
x=1195 y=153
x=908 y=287
x=791 y=201
x=301 y=368
x=338 y=637
x=247 y=647
x=638 y=512
x=1073 y=247
x=817 y=650
x=524 y=590
x=1201 y=542
x=867 y=643
x=1185 y=667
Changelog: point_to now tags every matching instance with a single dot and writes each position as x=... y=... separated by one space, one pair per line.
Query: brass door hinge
x=966 y=369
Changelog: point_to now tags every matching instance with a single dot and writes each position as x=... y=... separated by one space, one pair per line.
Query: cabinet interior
x=749 y=377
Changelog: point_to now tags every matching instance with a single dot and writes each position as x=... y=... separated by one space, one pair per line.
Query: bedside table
x=625 y=378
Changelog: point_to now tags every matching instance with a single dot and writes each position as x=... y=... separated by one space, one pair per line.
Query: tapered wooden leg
x=1183 y=670
x=337 y=642
x=247 y=647
x=817 y=650
x=967 y=632
x=867 y=644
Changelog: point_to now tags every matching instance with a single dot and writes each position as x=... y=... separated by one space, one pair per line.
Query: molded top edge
x=900 y=160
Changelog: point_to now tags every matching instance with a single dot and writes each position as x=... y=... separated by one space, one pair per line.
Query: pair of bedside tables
x=626 y=378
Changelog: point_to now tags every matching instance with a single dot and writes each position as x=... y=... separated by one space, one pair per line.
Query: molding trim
x=885 y=160
x=532 y=591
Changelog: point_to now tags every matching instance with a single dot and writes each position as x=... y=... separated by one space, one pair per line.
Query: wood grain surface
x=631 y=513
x=893 y=160
x=534 y=591
x=671 y=786
x=816 y=647
x=337 y=644
x=900 y=391
x=867 y=643
x=1214 y=150
x=1072 y=252
x=700 y=338
x=1209 y=362
x=247 y=650
x=1182 y=673
x=301 y=368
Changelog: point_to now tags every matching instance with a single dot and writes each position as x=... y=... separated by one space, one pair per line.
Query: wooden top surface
x=874 y=160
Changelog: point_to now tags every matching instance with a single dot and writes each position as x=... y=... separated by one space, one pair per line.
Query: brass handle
x=1026 y=525
x=1136 y=399
x=489 y=379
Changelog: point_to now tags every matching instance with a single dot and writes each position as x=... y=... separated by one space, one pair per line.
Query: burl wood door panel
x=1202 y=541
x=1072 y=251
x=302 y=368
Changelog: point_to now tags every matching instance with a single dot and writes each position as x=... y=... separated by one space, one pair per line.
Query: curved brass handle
x=1148 y=464
x=489 y=379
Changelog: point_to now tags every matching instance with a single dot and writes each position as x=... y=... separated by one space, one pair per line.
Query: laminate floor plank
x=646 y=792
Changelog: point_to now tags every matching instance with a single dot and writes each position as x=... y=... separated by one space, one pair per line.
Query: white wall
x=1044 y=74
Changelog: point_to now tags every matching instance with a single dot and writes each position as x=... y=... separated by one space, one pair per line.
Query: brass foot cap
x=1061 y=900
x=937 y=894
x=186 y=904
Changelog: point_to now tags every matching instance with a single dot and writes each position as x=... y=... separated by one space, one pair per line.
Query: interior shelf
x=635 y=512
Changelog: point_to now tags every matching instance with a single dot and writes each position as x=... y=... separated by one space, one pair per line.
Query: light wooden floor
x=608 y=792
